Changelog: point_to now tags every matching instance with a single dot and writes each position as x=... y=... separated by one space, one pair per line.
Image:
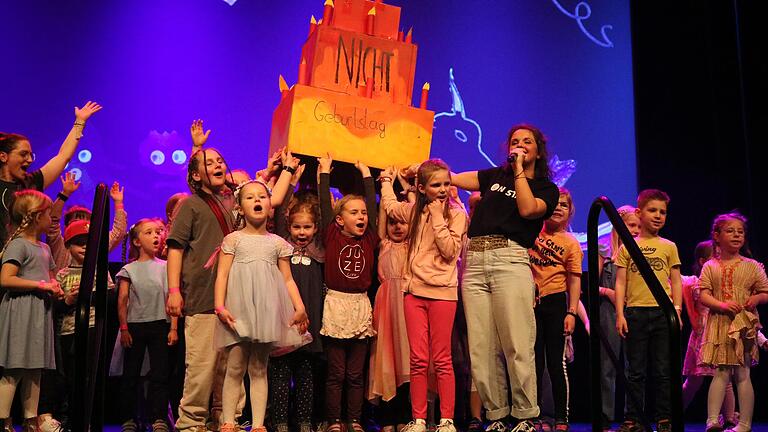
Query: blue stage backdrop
x=157 y=65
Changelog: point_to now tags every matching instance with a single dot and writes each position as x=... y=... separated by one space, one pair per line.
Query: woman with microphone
x=497 y=288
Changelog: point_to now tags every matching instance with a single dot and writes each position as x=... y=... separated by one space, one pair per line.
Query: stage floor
x=576 y=427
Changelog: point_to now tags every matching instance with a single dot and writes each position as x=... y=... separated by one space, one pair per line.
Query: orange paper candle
x=327 y=12
x=369 y=23
x=312 y=25
x=303 y=72
x=424 y=96
x=400 y=35
x=283 y=86
x=409 y=36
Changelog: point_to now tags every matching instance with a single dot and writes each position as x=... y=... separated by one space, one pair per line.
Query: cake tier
x=342 y=60
x=312 y=121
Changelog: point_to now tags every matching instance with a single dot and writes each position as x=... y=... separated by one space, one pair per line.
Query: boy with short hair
x=643 y=323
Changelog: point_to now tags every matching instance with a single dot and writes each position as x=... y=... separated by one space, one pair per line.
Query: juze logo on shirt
x=351 y=261
x=503 y=190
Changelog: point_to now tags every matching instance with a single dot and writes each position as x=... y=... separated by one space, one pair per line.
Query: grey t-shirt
x=34 y=259
x=197 y=232
x=148 y=290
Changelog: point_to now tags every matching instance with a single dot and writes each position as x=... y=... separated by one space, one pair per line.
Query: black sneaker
x=631 y=426
x=475 y=425
x=663 y=426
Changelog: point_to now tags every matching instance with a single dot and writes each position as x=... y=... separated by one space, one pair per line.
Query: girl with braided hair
x=28 y=282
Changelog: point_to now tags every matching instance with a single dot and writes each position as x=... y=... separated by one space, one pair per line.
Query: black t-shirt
x=33 y=180
x=497 y=214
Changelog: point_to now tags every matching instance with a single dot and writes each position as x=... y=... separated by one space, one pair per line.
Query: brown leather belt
x=490 y=242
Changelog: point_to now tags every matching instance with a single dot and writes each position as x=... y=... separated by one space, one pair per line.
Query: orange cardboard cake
x=353 y=96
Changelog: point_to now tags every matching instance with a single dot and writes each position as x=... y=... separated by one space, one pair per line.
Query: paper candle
x=327 y=12
x=312 y=25
x=369 y=87
x=424 y=96
x=369 y=23
x=409 y=36
x=303 y=72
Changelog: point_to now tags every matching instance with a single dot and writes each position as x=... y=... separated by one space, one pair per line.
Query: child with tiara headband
x=732 y=286
x=26 y=323
x=257 y=302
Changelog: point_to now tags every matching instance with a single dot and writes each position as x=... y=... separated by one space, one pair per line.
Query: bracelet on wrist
x=119 y=206
x=290 y=169
x=385 y=179
x=79 y=123
x=62 y=197
x=174 y=290
x=123 y=327
x=571 y=313
x=219 y=309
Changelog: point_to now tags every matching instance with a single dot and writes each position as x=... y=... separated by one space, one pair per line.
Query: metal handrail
x=593 y=293
x=90 y=371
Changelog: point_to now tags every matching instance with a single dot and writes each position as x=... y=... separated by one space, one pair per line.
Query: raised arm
x=120 y=221
x=324 y=189
x=369 y=190
x=53 y=237
x=199 y=138
x=290 y=167
x=528 y=205
x=389 y=202
x=55 y=166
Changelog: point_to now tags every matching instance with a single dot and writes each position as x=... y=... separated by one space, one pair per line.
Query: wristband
x=62 y=197
x=123 y=327
x=41 y=285
x=79 y=123
x=290 y=169
x=384 y=179
x=678 y=308
x=119 y=206
x=174 y=290
x=219 y=309
x=573 y=314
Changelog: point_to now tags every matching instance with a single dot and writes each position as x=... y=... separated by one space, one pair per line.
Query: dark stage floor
x=576 y=427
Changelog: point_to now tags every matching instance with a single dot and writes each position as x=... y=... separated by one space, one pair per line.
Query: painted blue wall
x=156 y=65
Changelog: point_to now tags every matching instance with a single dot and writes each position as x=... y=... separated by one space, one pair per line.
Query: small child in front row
x=731 y=286
x=556 y=264
x=144 y=326
x=299 y=227
x=643 y=323
x=257 y=302
x=26 y=320
x=350 y=239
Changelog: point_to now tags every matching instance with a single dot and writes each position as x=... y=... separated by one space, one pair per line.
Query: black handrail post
x=661 y=297
x=90 y=372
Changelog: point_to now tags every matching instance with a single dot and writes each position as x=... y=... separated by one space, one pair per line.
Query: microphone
x=511 y=158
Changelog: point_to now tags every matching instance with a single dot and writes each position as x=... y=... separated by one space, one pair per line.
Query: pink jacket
x=431 y=270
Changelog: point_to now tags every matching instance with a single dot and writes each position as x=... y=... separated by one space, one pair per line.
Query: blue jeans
x=647 y=342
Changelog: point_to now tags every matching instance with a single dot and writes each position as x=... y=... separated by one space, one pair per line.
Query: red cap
x=76 y=228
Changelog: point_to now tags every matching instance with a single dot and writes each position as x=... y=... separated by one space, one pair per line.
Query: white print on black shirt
x=504 y=190
x=351 y=261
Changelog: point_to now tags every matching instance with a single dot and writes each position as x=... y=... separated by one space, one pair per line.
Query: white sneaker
x=415 y=426
x=49 y=424
x=445 y=425
x=496 y=426
x=524 y=426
